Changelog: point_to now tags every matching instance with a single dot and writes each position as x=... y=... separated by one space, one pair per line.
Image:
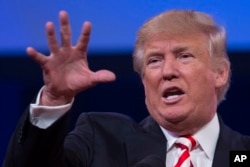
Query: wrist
x=50 y=99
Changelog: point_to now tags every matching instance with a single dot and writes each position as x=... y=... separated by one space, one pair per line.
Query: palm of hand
x=66 y=70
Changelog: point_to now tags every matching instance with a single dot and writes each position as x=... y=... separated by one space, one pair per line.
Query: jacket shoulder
x=107 y=121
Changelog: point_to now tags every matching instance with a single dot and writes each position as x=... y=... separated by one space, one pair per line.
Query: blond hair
x=185 y=21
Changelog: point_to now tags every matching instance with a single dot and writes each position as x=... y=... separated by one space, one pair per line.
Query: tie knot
x=186 y=142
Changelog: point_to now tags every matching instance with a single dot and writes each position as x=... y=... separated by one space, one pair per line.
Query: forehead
x=160 y=41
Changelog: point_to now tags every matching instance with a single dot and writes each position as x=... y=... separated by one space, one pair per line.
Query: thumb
x=104 y=76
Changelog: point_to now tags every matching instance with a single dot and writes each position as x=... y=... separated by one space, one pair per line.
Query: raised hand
x=65 y=70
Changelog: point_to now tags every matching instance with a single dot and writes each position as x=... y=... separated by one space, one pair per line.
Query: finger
x=83 y=40
x=103 y=76
x=36 y=56
x=51 y=37
x=65 y=29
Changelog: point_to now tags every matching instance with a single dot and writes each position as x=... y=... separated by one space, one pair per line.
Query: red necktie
x=186 y=144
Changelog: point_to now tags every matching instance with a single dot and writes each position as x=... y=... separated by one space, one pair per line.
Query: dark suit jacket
x=102 y=140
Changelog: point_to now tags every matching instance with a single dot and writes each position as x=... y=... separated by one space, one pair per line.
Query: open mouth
x=172 y=93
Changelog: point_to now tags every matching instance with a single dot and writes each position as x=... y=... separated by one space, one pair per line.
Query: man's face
x=179 y=81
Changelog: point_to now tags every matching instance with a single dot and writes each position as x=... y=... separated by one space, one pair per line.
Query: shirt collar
x=207 y=137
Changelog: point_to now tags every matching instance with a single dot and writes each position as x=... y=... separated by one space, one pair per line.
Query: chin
x=174 y=115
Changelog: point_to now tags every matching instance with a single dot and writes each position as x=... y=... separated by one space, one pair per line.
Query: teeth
x=172 y=97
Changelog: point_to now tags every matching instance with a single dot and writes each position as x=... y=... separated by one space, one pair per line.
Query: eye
x=185 y=57
x=154 y=61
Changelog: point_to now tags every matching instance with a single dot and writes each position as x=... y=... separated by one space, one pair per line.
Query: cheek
x=151 y=83
x=150 y=90
x=202 y=84
x=148 y=87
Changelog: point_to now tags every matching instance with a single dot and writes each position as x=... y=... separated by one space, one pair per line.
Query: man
x=181 y=58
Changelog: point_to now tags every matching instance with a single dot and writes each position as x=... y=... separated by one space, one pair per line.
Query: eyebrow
x=153 y=52
x=176 y=50
x=179 y=49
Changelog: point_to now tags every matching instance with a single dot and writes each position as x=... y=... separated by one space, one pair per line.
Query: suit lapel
x=146 y=140
x=221 y=155
x=228 y=140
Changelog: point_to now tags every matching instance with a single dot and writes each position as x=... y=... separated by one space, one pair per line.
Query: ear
x=222 y=74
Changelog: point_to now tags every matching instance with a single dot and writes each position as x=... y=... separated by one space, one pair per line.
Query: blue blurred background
x=115 y=24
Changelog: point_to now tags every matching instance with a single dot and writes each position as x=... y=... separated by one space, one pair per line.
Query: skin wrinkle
x=198 y=104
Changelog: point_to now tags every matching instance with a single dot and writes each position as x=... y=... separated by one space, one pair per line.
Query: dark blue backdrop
x=20 y=80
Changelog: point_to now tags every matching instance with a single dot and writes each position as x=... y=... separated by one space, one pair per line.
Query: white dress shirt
x=44 y=116
x=201 y=156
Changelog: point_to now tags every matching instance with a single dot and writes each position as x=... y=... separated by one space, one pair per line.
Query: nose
x=170 y=69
